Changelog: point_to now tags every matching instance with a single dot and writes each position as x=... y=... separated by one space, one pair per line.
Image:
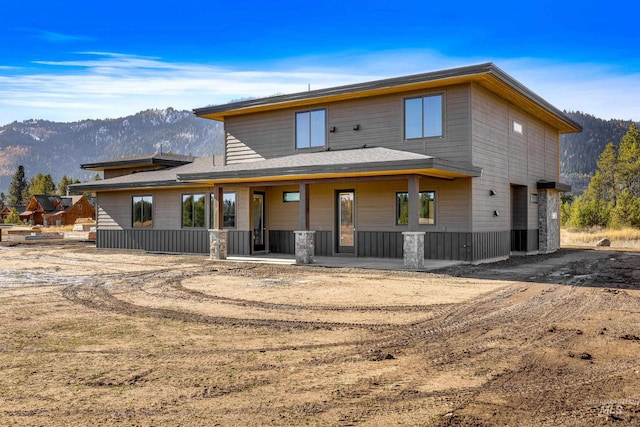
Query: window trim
x=212 y=210
x=442 y=116
x=133 y=202
x=397 y=211
x=193 y=213
x=295 y=199
x=324 y=129
x=518 y=127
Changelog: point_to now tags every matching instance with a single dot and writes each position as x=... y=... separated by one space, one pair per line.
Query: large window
x=311 y=129
x=426 y=208
x=228 y=210
x=142 y=213
x=423 y=117
x=193 y=210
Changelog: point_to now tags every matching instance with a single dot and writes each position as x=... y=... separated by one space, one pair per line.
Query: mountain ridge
x=59 y=148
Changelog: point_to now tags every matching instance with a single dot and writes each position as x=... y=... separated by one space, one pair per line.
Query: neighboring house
x=6 y=210
x=458 y=164
x=56 y=210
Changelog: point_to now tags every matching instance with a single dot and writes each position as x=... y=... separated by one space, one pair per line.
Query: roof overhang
x=486 y=75
x=320 y=165
x=150 y=162
x=106 y=186
x=431 y=167
x=553 y=185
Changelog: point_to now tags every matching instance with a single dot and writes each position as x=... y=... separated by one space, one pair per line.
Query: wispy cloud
x=54 y=37
x=107 y=84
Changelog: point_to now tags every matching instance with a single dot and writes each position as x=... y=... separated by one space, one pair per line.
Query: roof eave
x=487 y=75
x=427 y=167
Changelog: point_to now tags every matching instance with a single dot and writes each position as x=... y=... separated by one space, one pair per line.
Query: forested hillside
x=59 y=148
x=580 y=151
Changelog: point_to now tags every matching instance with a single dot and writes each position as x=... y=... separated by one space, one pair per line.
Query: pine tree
x=63 y=185
x=41 y=184
x=18 y=187
x=612 y=198
x=627 y=173
x=13 y=217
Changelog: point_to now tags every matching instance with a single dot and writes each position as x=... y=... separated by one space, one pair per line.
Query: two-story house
x=458 y=164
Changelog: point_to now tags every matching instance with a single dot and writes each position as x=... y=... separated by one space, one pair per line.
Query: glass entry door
x=345 y=218
x=258 y=222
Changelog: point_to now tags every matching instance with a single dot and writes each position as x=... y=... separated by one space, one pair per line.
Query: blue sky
x=72 y=60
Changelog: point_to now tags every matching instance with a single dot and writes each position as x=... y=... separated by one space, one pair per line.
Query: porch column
x=304 y=239
x=217 y=207
x=413 y=249
x=218 y=244
x=303 y=213
x=548 y=220
x=218 y=237
x=414 y=198
x=305 y=246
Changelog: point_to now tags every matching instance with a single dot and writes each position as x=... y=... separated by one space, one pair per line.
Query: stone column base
x=305 y=246
x=218 y=244
x=413 y=249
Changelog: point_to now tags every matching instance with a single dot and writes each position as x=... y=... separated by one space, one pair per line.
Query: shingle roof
x=363 y=161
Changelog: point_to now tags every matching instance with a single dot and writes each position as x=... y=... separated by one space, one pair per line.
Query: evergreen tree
x=13 y=217
x=41 y=184
x=627 y=173
x=18 y=187
x=3 y=198
x=612 y=198
x=63 y=185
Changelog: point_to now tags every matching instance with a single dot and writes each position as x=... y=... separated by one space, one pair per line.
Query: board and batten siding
x=271 y=134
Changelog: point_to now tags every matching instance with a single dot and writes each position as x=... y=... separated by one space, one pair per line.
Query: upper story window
x=423 y=117
x=142 y=212
x=193 y=210
x=311 y=129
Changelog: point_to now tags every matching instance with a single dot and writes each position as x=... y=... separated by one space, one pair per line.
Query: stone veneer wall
x=549 y=220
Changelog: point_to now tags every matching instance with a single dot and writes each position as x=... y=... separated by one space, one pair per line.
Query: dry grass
x=626 y=237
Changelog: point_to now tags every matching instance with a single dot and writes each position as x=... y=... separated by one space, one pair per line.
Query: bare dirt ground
x=91 y=337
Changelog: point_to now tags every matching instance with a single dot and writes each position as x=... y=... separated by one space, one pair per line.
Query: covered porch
x=343 y=203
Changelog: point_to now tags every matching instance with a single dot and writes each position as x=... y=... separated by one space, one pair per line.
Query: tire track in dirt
x=97 y=297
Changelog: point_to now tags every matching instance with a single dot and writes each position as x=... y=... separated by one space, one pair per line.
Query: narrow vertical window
x=142 y=212
x=311 y=128
x=229 y=210
x=423 y=117
x=193 y=206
